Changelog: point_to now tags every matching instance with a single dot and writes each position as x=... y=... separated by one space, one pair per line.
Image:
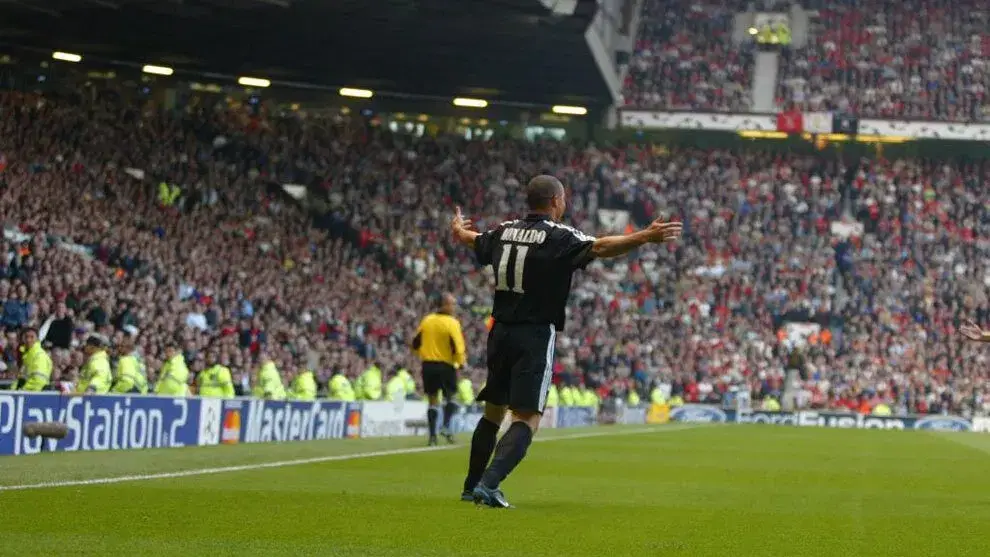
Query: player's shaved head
x=541 y=192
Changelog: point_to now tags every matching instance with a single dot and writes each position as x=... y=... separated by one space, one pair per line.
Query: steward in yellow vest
x=553 y=397
x=95 y=376
x=409 y=381
x=131 y=376
x=568 y=396
x=783 y=34
x=766 y=35
x=303 y=386
x=633 y=398
x=268 y=383
x=369 y=384
x=340 y=388
x=656 y=396
x=589 y=398
x=215 y=381
x=36 y=364
x=173 y=379
x=465 y=392
x=882 y=410
x=395 y=389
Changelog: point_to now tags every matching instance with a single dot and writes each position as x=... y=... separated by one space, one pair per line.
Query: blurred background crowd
x=917 y=59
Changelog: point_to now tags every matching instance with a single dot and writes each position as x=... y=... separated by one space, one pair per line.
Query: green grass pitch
x=669 y=490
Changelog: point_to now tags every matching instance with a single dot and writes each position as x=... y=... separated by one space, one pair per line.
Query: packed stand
x=214 y=264
x=227 y=264
x=916 y=59
x=684 y=59
x=885 y=257
x=229 y=270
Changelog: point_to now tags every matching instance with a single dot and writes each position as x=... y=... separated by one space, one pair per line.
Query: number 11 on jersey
x=502 y=276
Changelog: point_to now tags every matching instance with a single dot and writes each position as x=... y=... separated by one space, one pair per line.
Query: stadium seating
x=684 y=59
x=233 y=261
x=916 y=59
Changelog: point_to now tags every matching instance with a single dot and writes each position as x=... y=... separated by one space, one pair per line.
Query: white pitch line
x=312 y=460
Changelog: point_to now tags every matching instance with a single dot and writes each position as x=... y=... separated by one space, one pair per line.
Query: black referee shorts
x=520 y=366
x=439 y=376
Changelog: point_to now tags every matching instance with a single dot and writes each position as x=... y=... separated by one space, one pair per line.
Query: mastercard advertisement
x=250 y=421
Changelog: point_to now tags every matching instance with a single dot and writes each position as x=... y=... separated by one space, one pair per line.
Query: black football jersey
x=534 y=259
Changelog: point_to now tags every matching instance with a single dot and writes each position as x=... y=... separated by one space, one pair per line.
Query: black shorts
x=520 y=366
x=439 y=376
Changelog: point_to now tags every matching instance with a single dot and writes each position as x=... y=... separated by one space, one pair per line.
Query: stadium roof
x=511 y=50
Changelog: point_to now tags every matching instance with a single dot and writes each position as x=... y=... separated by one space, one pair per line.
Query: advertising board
x=100 y=422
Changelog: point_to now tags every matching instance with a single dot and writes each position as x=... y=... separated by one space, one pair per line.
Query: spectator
x=61 y=327
x=16 y=310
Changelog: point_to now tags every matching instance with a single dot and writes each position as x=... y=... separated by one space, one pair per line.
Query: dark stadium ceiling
x=511 y=50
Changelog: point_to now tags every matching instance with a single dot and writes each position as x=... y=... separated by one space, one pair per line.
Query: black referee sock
x=508 y=454
x=431 y=420
x=482 y=447
x=449 y=410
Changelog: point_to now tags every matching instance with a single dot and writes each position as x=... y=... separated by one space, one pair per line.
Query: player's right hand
x=661 y=231
x=971 y=330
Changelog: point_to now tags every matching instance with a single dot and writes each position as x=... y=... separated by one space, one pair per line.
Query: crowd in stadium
x=225 y=269
x=918 y=59
x=684 y=59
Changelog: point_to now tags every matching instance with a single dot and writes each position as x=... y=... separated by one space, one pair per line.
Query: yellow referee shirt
x=439 y=339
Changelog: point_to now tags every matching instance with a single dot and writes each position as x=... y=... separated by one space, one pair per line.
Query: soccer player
x=533 y=259
x=439 y=343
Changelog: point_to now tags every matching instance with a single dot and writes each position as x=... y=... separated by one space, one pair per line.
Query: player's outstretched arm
x=972 y=331
x=658 y=232
x=461 y=229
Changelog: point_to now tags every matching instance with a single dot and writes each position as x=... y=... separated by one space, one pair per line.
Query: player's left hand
x=972 y=331
x=663 y=231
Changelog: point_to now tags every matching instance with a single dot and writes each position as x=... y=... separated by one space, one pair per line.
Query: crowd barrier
x=102 y=422
x=700 y=413
x=105 y=422
x=137 y=422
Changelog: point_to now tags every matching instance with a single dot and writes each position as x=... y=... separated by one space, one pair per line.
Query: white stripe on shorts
x=548 y=370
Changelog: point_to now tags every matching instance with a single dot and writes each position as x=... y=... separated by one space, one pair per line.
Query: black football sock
x=449 y=410
x=508 y=454
x=482 y=447
x=431 y=420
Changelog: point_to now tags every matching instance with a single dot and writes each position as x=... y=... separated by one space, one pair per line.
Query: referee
x=534 y=259
x=439 y=343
